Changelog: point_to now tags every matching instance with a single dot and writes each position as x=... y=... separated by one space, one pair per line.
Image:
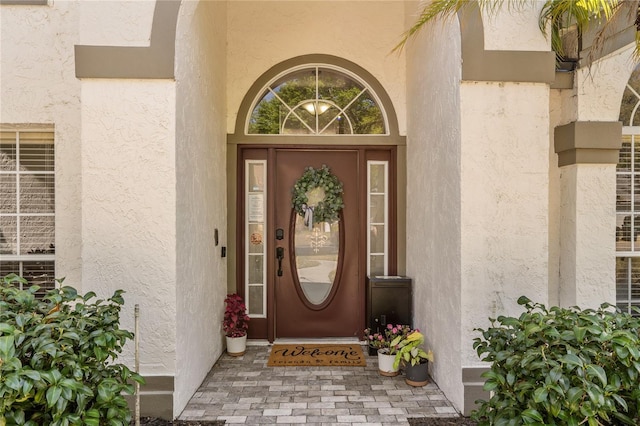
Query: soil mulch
x=440 y=421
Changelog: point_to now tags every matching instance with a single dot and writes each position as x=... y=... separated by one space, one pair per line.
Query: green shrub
x=57 y=358
x=561 y=367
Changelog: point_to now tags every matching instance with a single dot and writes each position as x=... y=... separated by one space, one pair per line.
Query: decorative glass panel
x=256 y=296
x=317 y=250
x=377 y=265
x=255 y=227
x=378 y=221
x=317 y=100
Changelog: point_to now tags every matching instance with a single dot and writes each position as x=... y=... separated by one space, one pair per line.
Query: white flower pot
x=236 y=346
x=385 y=363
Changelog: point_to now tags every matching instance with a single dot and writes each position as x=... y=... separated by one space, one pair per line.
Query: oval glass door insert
x=317 y=249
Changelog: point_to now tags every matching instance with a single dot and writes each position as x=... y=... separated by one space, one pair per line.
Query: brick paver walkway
x=244 y=390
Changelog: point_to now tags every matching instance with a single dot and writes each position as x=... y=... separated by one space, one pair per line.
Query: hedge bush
x=57 y=358
x=561 y=366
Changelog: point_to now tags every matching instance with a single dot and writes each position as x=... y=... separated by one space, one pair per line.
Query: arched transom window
x=317 y=100
x=628 y=200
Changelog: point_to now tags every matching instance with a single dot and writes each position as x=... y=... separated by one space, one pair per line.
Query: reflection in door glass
x=317 y=250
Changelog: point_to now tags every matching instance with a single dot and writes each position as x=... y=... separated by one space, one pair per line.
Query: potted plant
x=235 y=325
x=414 y=359
x=386 y=352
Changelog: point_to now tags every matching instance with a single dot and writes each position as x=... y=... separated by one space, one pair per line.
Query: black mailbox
x=388 y=301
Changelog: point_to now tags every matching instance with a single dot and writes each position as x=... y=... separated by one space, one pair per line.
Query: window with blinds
x=628 y=201
x=27 y=205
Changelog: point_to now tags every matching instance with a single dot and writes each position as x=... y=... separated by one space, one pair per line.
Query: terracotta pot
x=236 y=346
x=416 y=375
x=385 y=363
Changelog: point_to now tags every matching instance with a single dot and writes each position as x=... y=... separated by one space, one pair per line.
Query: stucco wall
x=587 y=209
x=514 y=27
x=433 y=196
x=505 y=180
x=588 y=217
x=201 y=203
x=32 y=92
x=562 y=110
x=128 y=215
x=115 y=22
x=264 y=33
x=600 y=87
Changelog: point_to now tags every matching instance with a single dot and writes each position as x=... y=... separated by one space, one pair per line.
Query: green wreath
x=317 y=195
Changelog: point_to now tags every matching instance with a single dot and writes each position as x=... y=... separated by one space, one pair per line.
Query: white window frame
x=247 y=222
x=625 y=301
x=47 y=132
x=385 y=223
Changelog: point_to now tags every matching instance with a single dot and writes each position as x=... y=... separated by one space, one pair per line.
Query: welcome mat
x=317 y=355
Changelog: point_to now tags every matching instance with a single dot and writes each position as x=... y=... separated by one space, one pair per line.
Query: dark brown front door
x=319 y=281
x=317 y=287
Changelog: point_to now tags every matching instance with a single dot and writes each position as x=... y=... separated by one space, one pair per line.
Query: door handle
x=279 y=256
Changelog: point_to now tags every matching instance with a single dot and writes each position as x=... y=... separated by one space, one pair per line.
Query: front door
x=318 y=291
x=303 y=276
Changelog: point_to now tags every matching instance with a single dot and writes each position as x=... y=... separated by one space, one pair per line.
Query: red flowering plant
x=383 y=339
x=236 y=320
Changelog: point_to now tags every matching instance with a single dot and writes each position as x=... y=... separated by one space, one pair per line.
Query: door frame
x=239 y=140
x=265 y=327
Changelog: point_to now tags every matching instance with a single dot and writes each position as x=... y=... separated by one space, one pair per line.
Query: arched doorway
x=316 y=159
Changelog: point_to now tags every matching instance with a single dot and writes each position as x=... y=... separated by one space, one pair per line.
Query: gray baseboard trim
x=473 y=383
x=156 y=397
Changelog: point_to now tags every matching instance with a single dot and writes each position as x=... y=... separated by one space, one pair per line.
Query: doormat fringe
x=305 y=354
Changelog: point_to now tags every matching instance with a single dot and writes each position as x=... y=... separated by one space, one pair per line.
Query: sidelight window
x=378 y=217
x=255 y=226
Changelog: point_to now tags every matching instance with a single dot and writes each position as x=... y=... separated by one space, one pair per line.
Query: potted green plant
x=414 y=359
x=235 y=325
x=382 y=343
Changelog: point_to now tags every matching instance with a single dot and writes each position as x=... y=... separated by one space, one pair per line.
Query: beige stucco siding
x=264 y=33
x=504 y=222
x=38 y=85
x=433 y=197
x=201 y=207
x=129 y=207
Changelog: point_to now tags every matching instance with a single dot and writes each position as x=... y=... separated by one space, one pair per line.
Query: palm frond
x=444 y=9
x=558 y=15
x=556 y=18
x=625 y=11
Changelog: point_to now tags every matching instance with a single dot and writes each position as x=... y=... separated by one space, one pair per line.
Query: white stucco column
x=587 y=154
x=129 y=214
